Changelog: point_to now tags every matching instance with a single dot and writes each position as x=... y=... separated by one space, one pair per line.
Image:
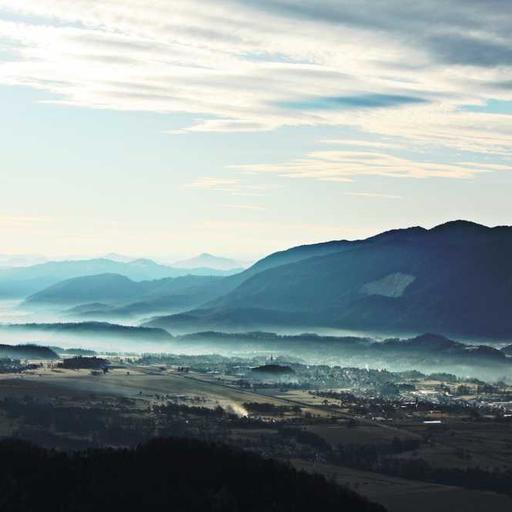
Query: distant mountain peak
x=114 y=256
x=206 y=259
x=143 y=261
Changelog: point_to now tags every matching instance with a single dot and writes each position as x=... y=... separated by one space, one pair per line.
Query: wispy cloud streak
x=345 y=166
x=385 y=68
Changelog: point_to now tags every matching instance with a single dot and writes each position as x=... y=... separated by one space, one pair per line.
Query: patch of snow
x=392 y=285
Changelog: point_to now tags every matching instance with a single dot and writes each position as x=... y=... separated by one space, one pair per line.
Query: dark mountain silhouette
x=455 y=278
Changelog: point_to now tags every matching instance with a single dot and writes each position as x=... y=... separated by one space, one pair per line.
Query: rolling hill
x=91 y=329
x=27 y=352
x=427 y=352
x=102 y=287
x=113 y=295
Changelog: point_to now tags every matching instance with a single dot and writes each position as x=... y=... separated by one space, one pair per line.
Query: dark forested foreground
x=178 y=474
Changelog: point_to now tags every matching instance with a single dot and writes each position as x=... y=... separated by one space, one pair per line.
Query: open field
x=146 y=384
x=466 y=444
x=398 y=494
x=139 y=399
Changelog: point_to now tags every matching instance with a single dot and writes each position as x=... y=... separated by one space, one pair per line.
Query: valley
x=383 y=364
x=390 y=437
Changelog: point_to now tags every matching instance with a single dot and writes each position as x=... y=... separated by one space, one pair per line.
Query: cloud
x=387 y=69
x=232 y=186
x=209 y=183
x=471 y=51
x=373 y=195
x=347 y=165
x=15 y=222
x=224 y=125
x=251 y=207
x=363 y=143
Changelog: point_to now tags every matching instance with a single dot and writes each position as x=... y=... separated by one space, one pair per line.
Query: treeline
x=171 y=474
x=27 y=352
x=380 y=458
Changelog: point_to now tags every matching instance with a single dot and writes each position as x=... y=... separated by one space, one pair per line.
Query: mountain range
x=23 y=281
x=455 y=278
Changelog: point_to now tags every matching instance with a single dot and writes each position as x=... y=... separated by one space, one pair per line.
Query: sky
x=166 y=128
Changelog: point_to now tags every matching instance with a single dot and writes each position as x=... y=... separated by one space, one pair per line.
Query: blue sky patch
x=355 y=101
x=491 y=107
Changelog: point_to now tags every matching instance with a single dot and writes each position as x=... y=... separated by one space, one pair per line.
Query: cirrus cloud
x=388 y=69
x=345 y=165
